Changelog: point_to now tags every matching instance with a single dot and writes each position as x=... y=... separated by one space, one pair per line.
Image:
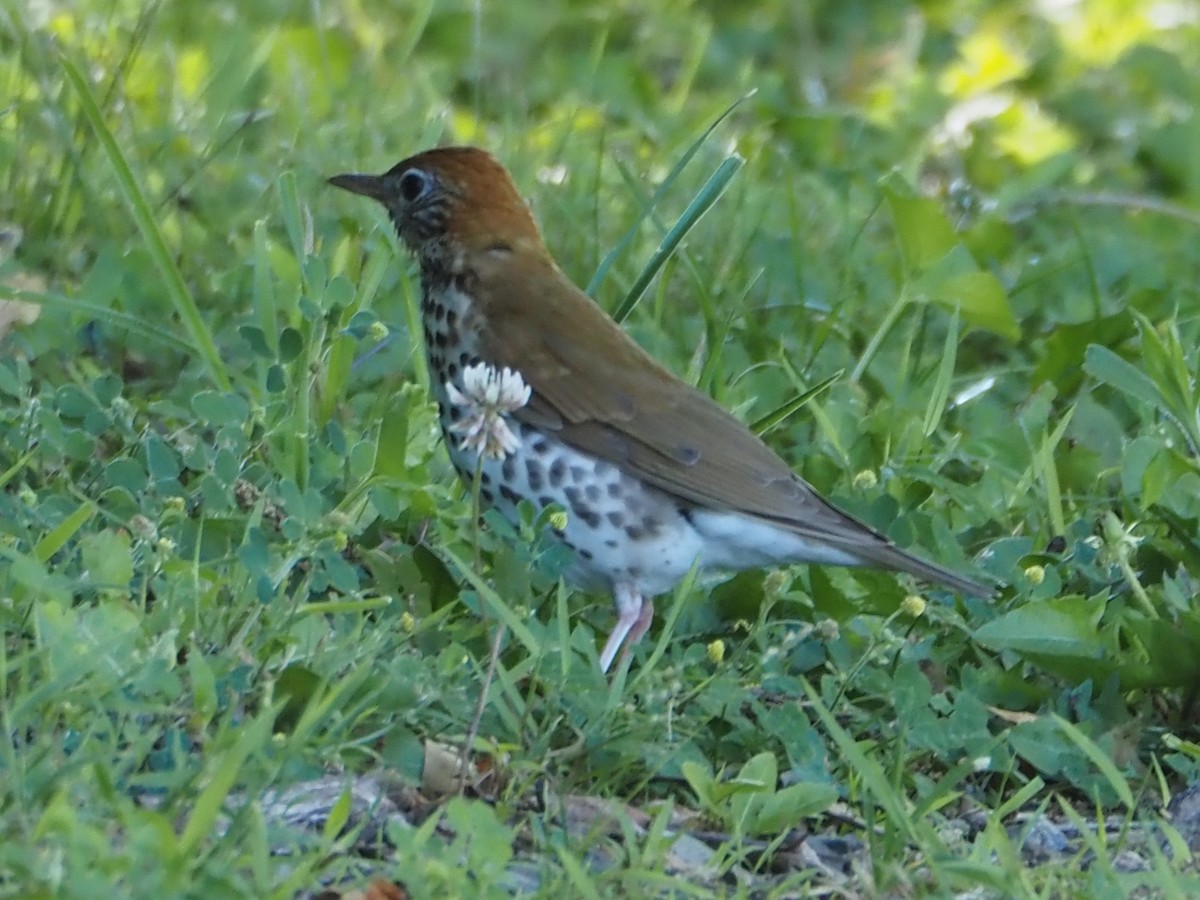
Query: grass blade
x=941 y=387
x=702 y=203
x=143 y=216
x=782 y=413
x=680 y=165
x=494 y=602
x=131 y=323
x=1100 y=759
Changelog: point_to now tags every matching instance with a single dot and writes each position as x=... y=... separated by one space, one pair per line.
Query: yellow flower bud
x=716 y=651
x=865 y=480
x=775 y=582
x=407 y=622
x=1035 y=574
x=914 y=606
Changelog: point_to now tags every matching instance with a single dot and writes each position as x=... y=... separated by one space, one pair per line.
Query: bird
x=543 y=397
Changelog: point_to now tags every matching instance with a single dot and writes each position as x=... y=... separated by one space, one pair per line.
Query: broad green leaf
x=1100 y=759
x=1065 y=346
x=1105 y=366
x=924 y=233
x=956 y=282
x=1065 y=627
x=108 y=558
x=56 y=539
x=93 y=643
x=700 y=780
x=220 y=408
x=754 y=783
x=980 y=299
x=204 y=686
x=790 y=806
x=1172 y=653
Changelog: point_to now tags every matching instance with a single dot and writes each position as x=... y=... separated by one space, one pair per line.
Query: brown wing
x=602 y=394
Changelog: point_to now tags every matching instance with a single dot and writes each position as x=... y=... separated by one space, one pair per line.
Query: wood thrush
x=653 y=474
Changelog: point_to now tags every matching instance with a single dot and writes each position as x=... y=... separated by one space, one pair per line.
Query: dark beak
x=372 y=186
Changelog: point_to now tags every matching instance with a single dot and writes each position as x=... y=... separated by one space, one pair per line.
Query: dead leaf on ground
x=14 y=313
x=440 y=773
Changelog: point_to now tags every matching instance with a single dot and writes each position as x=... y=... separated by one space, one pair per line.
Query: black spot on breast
x=440 y=339
x=614 y=489
x=634 y=534
x=451 y=317
x=455 y=413
x=509 y=494
x=487 y=496
x=590 y=517
x=558 y=470
x=593 y=492
x=439 y=312
x=586 y=554
x=603 y=468
x=546 y=500
x=428 y=335
x=509 y=468
x=533 y=471
x=452 y=370
x=578 y=473
x=572 y=494
x=485 y=478
x=540 y=446
x=615 y=519
x=611 y=543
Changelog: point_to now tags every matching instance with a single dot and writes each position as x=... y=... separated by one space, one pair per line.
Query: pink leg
x=640 y=627
x=629 y=621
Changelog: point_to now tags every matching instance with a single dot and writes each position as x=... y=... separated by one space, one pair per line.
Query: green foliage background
x=232 y=553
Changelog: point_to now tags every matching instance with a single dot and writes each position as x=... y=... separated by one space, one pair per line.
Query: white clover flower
x=487 y=396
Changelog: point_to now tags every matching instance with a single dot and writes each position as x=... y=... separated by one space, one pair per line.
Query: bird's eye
x=414 y=184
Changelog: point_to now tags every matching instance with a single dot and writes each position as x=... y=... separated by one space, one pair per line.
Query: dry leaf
x=440 y=774
x=1012 y=715
x=16 y=312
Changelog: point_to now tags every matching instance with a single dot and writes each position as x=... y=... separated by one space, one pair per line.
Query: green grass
x=945 y=258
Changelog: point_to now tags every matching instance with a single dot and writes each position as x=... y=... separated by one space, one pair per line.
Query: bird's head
x=448 y=201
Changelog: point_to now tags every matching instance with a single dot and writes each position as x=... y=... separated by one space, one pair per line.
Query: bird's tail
x=892 y=557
